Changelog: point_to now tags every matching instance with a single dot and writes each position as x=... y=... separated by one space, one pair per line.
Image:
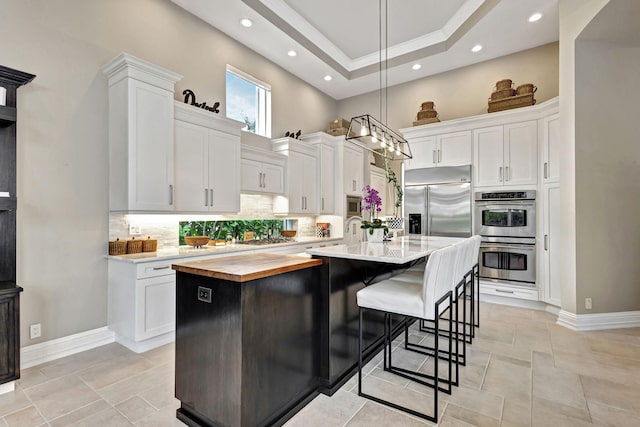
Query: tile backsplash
x=164 y=228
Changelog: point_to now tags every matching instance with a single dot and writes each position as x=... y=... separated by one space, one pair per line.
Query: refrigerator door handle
x=427 y=211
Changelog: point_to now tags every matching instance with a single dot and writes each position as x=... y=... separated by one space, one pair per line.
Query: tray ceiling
x=341 y=38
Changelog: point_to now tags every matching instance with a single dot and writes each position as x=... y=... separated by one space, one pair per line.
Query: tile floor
x=523 y=370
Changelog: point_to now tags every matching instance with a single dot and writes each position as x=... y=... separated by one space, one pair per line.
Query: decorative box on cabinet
x=303 y=177
x=141 y=112
x=353 y=169
x=327 y=147
x=207 y=161
x=141 y=305
x=261 y=171
x=506 y=155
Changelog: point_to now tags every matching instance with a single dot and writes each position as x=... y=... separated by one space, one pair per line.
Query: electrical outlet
x=35 y=331
x=134 y=229
x=588 y=304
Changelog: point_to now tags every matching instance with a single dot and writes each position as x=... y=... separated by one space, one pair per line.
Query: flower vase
x=377 y=236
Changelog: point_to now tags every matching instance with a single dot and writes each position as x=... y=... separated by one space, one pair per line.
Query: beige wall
x=62 y=133
x=462 y=92
x=607 y=156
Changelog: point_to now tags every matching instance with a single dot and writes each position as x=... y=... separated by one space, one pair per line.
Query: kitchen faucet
x=347 y=223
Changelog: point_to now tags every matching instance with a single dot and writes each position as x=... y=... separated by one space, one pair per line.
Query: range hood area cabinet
x=302 y=178
x=141 y=114
x=261 y=171
x=207 y=161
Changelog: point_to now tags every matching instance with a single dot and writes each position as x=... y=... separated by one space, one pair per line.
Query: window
x=249 y=101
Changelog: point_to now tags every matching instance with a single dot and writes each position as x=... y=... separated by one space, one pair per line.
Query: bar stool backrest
x=438 y=276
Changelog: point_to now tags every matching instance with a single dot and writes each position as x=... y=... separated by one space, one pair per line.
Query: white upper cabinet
x=328 y=147
x=551 y=149
x=506 y=155
x=424 y=152
x=302 y=177
x=449 y=149
x=353 y=169
x=207 y=161
x=140 y=135
x=378 y=180
x=261 y=171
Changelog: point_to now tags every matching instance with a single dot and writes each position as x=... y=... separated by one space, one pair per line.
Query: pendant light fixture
x=370 y=133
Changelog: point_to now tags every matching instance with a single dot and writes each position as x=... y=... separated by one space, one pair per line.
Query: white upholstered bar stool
x=427 y=300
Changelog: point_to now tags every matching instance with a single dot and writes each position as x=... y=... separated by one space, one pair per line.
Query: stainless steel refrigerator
x=437 y=201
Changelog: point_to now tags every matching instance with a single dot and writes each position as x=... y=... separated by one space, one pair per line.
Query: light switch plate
x=134 y=229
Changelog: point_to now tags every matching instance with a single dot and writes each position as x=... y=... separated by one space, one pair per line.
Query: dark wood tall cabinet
x=11 y=80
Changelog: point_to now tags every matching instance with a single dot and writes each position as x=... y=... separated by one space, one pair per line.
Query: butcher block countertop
x=243 y=268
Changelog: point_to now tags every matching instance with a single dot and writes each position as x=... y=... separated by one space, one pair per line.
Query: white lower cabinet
x=141 y=305
x=551 y=257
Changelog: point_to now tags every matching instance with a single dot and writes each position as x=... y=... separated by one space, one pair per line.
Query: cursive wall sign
x=190 y=98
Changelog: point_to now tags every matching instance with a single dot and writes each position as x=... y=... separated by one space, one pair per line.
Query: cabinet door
x=327 y=179
x=9 y=338
x=191 y=167
x=454 y=149
x=521 y=153
x=552 y=255
x=150 y=147
x=155 y=306
x=379 y=182
x=310 y=175
x=273 y=178
x=353 y=170
x=551 y=149
x=424 y=152
x=488 y=156
x=250 y=175
x=295 y=166
x=224 y=172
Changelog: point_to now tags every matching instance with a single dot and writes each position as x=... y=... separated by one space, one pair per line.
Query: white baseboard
x=7 y=387
x=599 y=321
x=514 y=302
x=148 y=344
x=54 y=349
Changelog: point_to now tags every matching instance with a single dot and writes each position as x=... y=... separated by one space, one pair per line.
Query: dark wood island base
x=259 y=336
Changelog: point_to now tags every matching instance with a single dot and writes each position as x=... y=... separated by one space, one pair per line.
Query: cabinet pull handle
x=264 y=180
x=206 y=197
x=353 y=184
x=546 y=170
x=353 y=227
x=170 y=194
x=503 y=291
x=439 y=156
x=507 y=174
x=500 y=171
x=546 y=242
x=211 y=198
x=161 y=268
x=323 y=204
x=434 y=157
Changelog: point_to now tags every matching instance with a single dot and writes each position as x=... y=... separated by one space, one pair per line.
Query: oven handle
x=529 y=248
x=492 y=205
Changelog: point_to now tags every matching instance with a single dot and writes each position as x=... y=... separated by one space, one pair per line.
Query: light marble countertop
x=396 y=251
x=189 y=251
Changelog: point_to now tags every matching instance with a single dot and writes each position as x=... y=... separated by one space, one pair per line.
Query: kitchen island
x=258 y=336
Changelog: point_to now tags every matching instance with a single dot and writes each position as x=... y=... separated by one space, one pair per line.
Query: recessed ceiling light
x=246 y=22
x=292 y=53
x=535 y=17
x=328 y=78
x=416 y=67
x=476 y=48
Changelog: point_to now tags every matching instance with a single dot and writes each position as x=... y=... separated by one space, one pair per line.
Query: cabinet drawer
x=156 y=268
x=508 y=291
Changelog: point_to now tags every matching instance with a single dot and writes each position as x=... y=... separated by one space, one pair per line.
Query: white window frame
x=263 y=121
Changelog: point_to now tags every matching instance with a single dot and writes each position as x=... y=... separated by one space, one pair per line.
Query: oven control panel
x=507 y=195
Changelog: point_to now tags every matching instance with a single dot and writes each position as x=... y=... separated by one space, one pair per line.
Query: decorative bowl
x=287 y=233
x=197 y=241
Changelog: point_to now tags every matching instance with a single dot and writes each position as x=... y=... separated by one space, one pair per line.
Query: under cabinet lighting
x=535 y=17
x=476 y=48
x=246 y=22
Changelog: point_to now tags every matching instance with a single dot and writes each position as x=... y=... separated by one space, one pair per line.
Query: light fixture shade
x=366 y=138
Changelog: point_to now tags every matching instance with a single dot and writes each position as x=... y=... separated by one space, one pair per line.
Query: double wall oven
x=506 y=220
